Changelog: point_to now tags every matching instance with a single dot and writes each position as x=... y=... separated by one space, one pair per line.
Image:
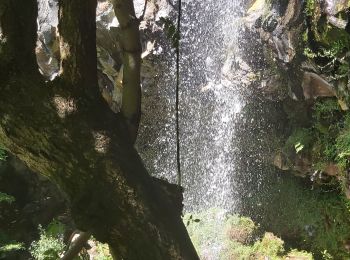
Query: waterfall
x=210 y=103
x=211 y=100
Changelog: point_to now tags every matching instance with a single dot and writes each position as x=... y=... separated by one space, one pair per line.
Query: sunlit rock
x=108 y=50
x=332 y=7
x=274 y=26
x=47 y=50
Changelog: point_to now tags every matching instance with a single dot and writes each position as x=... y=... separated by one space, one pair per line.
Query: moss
x=233 y=237
x=326 y=45
x=3 y=154
x=326 y=138
x=342 y=144
x=6 y=198
x=300 y=140
x=270 y=245
x=310 y=7
x=300 y=255
x=312 y=220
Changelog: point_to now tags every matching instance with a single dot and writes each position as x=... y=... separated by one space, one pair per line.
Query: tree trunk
x=64 y=131
x=131 y=47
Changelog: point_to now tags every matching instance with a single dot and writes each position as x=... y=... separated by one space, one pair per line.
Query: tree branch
x=131 y=46
x=76 y=246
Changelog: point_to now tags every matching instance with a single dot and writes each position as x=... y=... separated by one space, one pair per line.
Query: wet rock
x=315 y=86
x=280 y=162
x=270 y=23
x=332 y=170
x=274 y=27
x=302 y=165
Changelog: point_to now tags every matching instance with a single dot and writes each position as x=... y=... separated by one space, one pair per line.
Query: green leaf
x=298 y=147
x=3 y=155
x=6 y=198
x=11 y=247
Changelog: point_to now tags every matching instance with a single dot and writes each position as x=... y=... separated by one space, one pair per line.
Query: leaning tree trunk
x=131 y=49
x=65 y=131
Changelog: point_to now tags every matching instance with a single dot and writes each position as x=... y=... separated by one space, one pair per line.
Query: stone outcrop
x=315 y=86
x=304 y=49
x=108 y=51
x=284 y=36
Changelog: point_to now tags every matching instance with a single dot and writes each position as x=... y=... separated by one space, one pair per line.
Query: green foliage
x=102 y=251
x=301 y=255
x=3 y=155
x=326 y=110
x=326 y=45
x=310 y=7
x=236 y=236
x=206 y=231
x=326 y=140
x=301 y=139
x=55 y=229
x=171 y=31
x=270 y=246
x=237 y=251
x=50 y=244
x=11 y=247
x=312 y=220
x=342 y=144
x=8 y=246
x=240 y=229
x=6 y=198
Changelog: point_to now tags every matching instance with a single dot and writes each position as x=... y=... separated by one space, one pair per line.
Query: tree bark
x=76 y=246
x=78 y=46
x=17 y=48
x=61 y=130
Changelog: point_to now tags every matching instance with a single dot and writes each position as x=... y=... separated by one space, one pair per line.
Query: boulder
x=315 y=86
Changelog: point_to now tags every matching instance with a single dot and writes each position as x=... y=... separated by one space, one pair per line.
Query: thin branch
x=131 y=45
x=144 y=11
x=76 y=246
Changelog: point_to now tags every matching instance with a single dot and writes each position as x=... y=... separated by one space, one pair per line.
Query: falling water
x=210 y=103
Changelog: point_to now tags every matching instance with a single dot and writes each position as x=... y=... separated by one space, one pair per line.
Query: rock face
x=301 y=56
x=108 y=51
x=273 y=22
x=47 y=50
x=276 y=27
x=302 y=60
x=314 y=86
